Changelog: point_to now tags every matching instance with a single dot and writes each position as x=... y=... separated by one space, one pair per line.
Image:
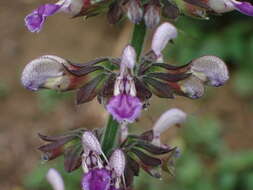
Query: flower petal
x=96 y=179
x=36 y=19
x=124 y=107
x=244 y=7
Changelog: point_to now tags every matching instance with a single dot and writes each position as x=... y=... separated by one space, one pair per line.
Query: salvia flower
x=122 y=87
x=124 y=105
x=35 y=20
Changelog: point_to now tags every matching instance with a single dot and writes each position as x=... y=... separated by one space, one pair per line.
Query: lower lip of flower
x=96 y=179
x=124 y=107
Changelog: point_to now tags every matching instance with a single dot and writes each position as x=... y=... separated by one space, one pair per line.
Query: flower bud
x=114 y=13
x=134 y=11
x=152 y=14
x=168 y=119
x=91 y=142
x=49 y=72
x=55 y=179
x=211 y=70
x=118 y=162
x=163 y=34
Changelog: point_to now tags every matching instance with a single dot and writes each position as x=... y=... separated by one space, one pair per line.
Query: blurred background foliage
x=206 y=161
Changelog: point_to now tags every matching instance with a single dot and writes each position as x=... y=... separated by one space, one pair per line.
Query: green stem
x=110 y=135
x=138 y=38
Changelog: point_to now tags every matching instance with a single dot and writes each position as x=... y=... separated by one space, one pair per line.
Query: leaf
x=152 y=148
x=90 y=90
x=169 y=77
x=173 y=69
x=72 y=157
x=198 y=3
x=143 y=93
x=145 y=158
x=133 y=165
x=160 y=89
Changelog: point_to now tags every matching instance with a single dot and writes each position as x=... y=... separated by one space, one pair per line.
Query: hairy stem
x=110 y=135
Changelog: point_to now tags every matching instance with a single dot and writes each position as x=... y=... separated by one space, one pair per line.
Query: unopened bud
x=118 y=162
x=163 y=34
x=91 y=142
x=114 y=13
x=211 y=70
x=134 y=11
x=55 y=179
x=152 y=15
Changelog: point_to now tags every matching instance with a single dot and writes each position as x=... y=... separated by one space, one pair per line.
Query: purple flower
x=244 y=7
x=125 y=107
x=35 y=20
x=96 y=179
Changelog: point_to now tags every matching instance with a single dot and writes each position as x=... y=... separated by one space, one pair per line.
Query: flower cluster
x=123 y=86
x=135 y=10
x=117 y=169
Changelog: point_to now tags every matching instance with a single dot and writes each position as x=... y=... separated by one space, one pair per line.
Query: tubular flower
x=122 y=87
x=35 y=20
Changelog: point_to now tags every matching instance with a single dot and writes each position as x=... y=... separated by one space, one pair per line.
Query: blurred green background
x=216 y=141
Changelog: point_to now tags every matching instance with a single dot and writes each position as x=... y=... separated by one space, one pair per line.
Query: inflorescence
x=124 y=86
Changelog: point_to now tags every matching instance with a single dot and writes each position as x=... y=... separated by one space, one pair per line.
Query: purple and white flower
x=35 y=20
x=124 y=105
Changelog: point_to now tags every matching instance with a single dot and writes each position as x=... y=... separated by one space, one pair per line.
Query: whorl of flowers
x=122 y=87
x=136 y=10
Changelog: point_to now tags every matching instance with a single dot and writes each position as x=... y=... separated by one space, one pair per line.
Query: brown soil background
x=21 y=118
